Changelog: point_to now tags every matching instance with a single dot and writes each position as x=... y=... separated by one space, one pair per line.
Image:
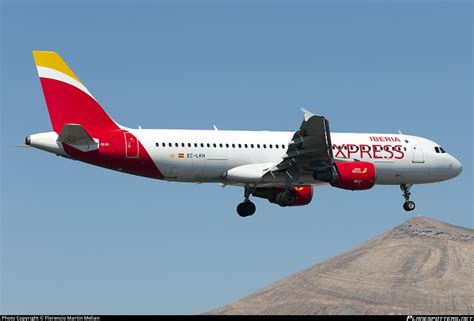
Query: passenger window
x=202 y=145
x=176 y=144
x=264 y=146
x=227 y=145
x=233 y=145
x=208 y=145
x=189 y=144
x=195 y=145
x=163 y=144
x=170 y=145
x=283 y=146
x=251 y=145
x=214 y=145
x=276 y=146
x=182 y=144
x=220 y=145
x=157 y=144
x=270 y=146
x=246 y=146
x=258 y=145
x=240 y=146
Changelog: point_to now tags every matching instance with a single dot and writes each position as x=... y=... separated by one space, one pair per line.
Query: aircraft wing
x=310 y=149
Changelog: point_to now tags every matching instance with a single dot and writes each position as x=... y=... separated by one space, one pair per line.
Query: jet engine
x=355 y=175
x=294 y=196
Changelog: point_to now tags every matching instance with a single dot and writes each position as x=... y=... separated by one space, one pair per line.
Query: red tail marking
x=68 y=104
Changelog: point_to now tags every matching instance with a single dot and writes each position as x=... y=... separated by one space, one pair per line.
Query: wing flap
x=309 y=150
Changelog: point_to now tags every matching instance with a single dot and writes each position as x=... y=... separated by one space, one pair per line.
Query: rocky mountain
x=422 y=266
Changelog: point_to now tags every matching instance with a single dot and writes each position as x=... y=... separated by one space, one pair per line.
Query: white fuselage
x=206 y=155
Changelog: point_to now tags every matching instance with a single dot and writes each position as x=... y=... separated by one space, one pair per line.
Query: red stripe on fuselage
x=112 y=155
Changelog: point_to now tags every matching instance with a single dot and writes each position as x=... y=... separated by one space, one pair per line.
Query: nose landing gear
x=408 y=205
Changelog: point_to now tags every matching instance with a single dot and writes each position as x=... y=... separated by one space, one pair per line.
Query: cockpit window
x=439 y=149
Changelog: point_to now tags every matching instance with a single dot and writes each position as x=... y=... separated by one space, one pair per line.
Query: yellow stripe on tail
x=52 y=60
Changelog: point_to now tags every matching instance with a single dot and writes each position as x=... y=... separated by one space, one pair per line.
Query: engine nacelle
x=355 y=175
x=295 y=196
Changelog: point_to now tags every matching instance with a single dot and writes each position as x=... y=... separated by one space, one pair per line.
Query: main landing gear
x=408 y=205
x=246 y=208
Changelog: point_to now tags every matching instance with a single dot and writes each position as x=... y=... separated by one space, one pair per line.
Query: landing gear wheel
x=246 y=208
x=409 y=206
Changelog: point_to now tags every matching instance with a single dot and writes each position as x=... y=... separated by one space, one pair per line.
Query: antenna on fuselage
x=400 y=132
x=215 y=127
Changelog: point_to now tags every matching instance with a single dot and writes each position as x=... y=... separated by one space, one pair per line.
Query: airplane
x=281 y=167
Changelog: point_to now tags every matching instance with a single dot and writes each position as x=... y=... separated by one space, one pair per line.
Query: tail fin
x=68 y=100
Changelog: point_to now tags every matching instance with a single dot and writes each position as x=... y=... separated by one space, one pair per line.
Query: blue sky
x=81 y=239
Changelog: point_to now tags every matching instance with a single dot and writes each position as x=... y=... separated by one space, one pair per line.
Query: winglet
x=307 y=114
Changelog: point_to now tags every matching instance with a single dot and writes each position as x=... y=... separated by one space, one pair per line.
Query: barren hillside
x=422 y=266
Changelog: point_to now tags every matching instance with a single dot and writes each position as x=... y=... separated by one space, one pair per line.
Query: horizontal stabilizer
x=76 y=136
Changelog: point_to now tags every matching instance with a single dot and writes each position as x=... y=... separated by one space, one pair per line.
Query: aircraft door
x=131 y=146
x=418 y=155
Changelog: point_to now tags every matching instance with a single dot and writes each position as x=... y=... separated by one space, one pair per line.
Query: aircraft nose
x=455 y=166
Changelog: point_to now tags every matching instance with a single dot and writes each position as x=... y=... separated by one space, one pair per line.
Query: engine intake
x=355 y=176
